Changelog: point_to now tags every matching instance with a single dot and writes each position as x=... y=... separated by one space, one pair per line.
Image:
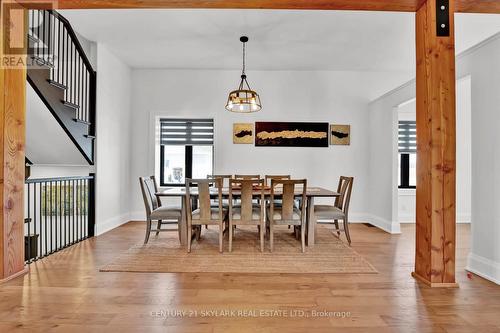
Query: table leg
x=183 y=222
x=310 y=222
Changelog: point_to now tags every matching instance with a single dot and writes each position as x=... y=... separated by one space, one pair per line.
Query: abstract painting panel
x=340 y=135
x=291 y=134
x=242 y=133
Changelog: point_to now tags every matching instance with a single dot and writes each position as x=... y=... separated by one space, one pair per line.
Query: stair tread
x=33 y=38
x=72 y=105
x=41 y=61
x=57 y=84
x=81 y=121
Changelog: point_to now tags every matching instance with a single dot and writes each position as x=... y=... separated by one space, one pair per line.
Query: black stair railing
x=59 y=212
x=53 y=43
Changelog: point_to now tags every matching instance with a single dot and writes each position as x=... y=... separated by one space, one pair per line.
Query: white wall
x=335 y=97
x=482 y=64
x=406 y=197
x=382 y=170
x=113 y=152
x=46 y=140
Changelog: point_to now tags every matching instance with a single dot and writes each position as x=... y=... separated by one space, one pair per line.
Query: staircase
x=63 y=77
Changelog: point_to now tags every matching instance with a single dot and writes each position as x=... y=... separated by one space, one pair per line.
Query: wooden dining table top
x=310 y=192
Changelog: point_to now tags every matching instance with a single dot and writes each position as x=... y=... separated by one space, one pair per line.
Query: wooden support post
x=436 y=162
x=12 y=141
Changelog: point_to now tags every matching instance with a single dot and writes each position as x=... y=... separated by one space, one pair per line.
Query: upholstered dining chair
x=155 y=212
x=340 y=210
x=284 y=212
x=246 y=212
x=205 y=214
x=254 y=177
x=269 y=178
x=225 y=179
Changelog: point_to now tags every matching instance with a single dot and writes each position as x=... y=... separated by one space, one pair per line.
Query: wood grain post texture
x=12 y=142
x=436 y=162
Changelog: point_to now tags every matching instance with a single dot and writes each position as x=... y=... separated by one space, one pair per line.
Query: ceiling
x=279 y=39
x=376 y=43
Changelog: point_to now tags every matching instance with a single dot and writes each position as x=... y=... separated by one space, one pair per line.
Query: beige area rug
x=163 y=254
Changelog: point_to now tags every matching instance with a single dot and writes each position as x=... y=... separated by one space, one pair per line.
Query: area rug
x=163 y=254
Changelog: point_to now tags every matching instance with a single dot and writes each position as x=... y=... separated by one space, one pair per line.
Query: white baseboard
x=109 y=224
x=410 y=218
x=484 y=267
x=387 y=226
x=392 y=227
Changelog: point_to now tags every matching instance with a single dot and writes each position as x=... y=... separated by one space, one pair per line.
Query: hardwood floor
x=67 y=293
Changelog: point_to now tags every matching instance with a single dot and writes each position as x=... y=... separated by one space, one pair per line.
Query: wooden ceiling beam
x=368 y=5
x=462 y=6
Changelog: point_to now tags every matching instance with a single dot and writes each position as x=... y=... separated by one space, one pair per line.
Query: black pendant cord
x=243 y=74
x=243 y=71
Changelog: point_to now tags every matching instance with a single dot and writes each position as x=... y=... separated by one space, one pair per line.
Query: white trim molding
x=110 y=224
x=484 y=267
x=390 y=227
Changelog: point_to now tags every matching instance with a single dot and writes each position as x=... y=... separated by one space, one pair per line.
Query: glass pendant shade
x=244 y=99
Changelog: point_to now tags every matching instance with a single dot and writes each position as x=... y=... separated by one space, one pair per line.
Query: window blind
x=187 y=132
x=407 y=137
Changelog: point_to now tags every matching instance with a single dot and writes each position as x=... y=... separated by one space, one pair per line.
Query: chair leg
x=221 y=234
x=271 y=237
x=346 y=228
x=230 y=236
x=261 y=232
x=158 y=227
x=148 y=231
x=303 y=238
x=336 y=222
x=189 y=235
x=179 y=231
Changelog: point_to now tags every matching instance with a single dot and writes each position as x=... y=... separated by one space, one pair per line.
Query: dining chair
x=286 y=213
x=340 y=209
x=205 y=214
x=255 y=177
x=246 y=212
x=155 y=212
x=268 y=178
x=224 y=184
x=225 y=179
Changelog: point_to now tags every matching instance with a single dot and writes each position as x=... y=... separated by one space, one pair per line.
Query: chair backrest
x=345 y=189
x=149 y=189
x=223 y=177
x=204 y=196
x=255 y=177
x=269 y=178
x=247 y=189
x=286 y=189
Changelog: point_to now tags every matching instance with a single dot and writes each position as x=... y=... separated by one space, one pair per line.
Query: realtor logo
x=20 y=19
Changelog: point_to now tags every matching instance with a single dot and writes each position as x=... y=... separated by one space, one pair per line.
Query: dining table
x=311 y=194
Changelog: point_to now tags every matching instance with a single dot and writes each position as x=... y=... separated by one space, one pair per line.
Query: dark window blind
x=187 y=132
x=407 y=137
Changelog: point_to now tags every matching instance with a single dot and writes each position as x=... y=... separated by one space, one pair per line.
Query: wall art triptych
x=291 y=134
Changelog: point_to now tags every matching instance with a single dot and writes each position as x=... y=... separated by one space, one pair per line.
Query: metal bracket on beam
x=443 y=18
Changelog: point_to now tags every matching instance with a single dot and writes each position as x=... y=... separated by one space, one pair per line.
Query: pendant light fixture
x=244 y=99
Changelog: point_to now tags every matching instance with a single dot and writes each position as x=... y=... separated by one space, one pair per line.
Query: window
x=186 y=150
x=407 y=138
